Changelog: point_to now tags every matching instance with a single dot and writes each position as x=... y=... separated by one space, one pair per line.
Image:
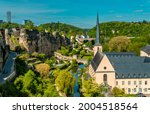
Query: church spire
x=97 y=47
x=97 y=31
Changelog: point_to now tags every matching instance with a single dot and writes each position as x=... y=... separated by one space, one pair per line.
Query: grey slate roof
x=130 y=66
x=96 y=60
x=126 y=65
x=116 y=54
x=146 y=49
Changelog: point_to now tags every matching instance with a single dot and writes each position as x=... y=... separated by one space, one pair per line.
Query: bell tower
x=97 y=46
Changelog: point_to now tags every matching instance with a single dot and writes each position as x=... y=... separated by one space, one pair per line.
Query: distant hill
x=107 y=30
x=50 y=27
x=62 y=28
x=130 y=29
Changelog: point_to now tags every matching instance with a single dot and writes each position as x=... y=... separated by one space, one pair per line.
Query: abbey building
x=124 y=70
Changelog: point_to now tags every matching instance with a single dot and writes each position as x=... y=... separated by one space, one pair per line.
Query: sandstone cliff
x=35 y=41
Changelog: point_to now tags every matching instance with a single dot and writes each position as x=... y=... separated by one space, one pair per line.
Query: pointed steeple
x=97 y=31
x=97 y=47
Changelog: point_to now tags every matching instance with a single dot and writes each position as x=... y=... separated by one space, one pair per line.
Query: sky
x=80 y=13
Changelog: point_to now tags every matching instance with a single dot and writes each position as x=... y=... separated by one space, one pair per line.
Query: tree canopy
x=32 y=84
x=43 y=69
x=62 y=28
x=119 y=44
x=130 y=29
x=65 y=82
x=91 y=89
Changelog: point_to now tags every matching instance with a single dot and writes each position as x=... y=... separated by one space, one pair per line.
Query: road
x=9 y=67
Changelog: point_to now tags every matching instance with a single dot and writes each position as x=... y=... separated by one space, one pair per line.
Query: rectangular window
x=145 y=89
x=122 y=82
x=140 y=90
x=145 y=82
x=129 y=82
x=134 y=89
x=134 y=82
x=140 y=82
x=129 y=90
x=116 y=82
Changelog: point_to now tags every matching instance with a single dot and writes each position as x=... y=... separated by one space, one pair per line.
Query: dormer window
x=122 y=75
x=145 y=75
x=134 y=75
x=139 y=75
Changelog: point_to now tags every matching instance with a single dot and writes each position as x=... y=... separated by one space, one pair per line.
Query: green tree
x=56 y=73
x=24 y=56
x=65 y=82
x=116 y=92
x=29 y=25
x=9 y=25
x=42 y=57
x=27 y=84
x=34 y=54
x=64 y=51
x=33 y=85
x=51 y=61
x=64 y=29
x=21 y=66
x=8 y=90
x=136 y=47
x=90 y=89
x=119 y=44
x=43 y=69
x=50 y=91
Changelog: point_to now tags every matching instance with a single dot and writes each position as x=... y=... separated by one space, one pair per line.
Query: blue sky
x=81 y=13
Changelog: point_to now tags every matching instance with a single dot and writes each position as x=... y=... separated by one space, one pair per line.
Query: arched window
x=105 y=78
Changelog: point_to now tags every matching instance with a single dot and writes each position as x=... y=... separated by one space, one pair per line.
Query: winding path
x=9 y=70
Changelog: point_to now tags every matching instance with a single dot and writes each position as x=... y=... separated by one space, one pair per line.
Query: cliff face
x=34 y=41
x=3 y=49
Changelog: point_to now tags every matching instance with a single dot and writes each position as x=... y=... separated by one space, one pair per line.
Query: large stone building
x=124 y=70
x=145 y=51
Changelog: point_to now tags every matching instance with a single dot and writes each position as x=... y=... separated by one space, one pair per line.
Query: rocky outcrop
x=3 y=49
x=35 y=41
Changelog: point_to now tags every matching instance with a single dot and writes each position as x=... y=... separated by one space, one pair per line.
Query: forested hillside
x=130 y=29
x=62 y=28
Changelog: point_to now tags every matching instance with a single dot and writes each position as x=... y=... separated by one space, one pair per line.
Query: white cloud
x=138 y=11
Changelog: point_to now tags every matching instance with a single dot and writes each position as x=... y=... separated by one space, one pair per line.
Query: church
x=124 y=70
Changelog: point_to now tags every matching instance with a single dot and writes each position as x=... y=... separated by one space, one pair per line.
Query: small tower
x=97 y=46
